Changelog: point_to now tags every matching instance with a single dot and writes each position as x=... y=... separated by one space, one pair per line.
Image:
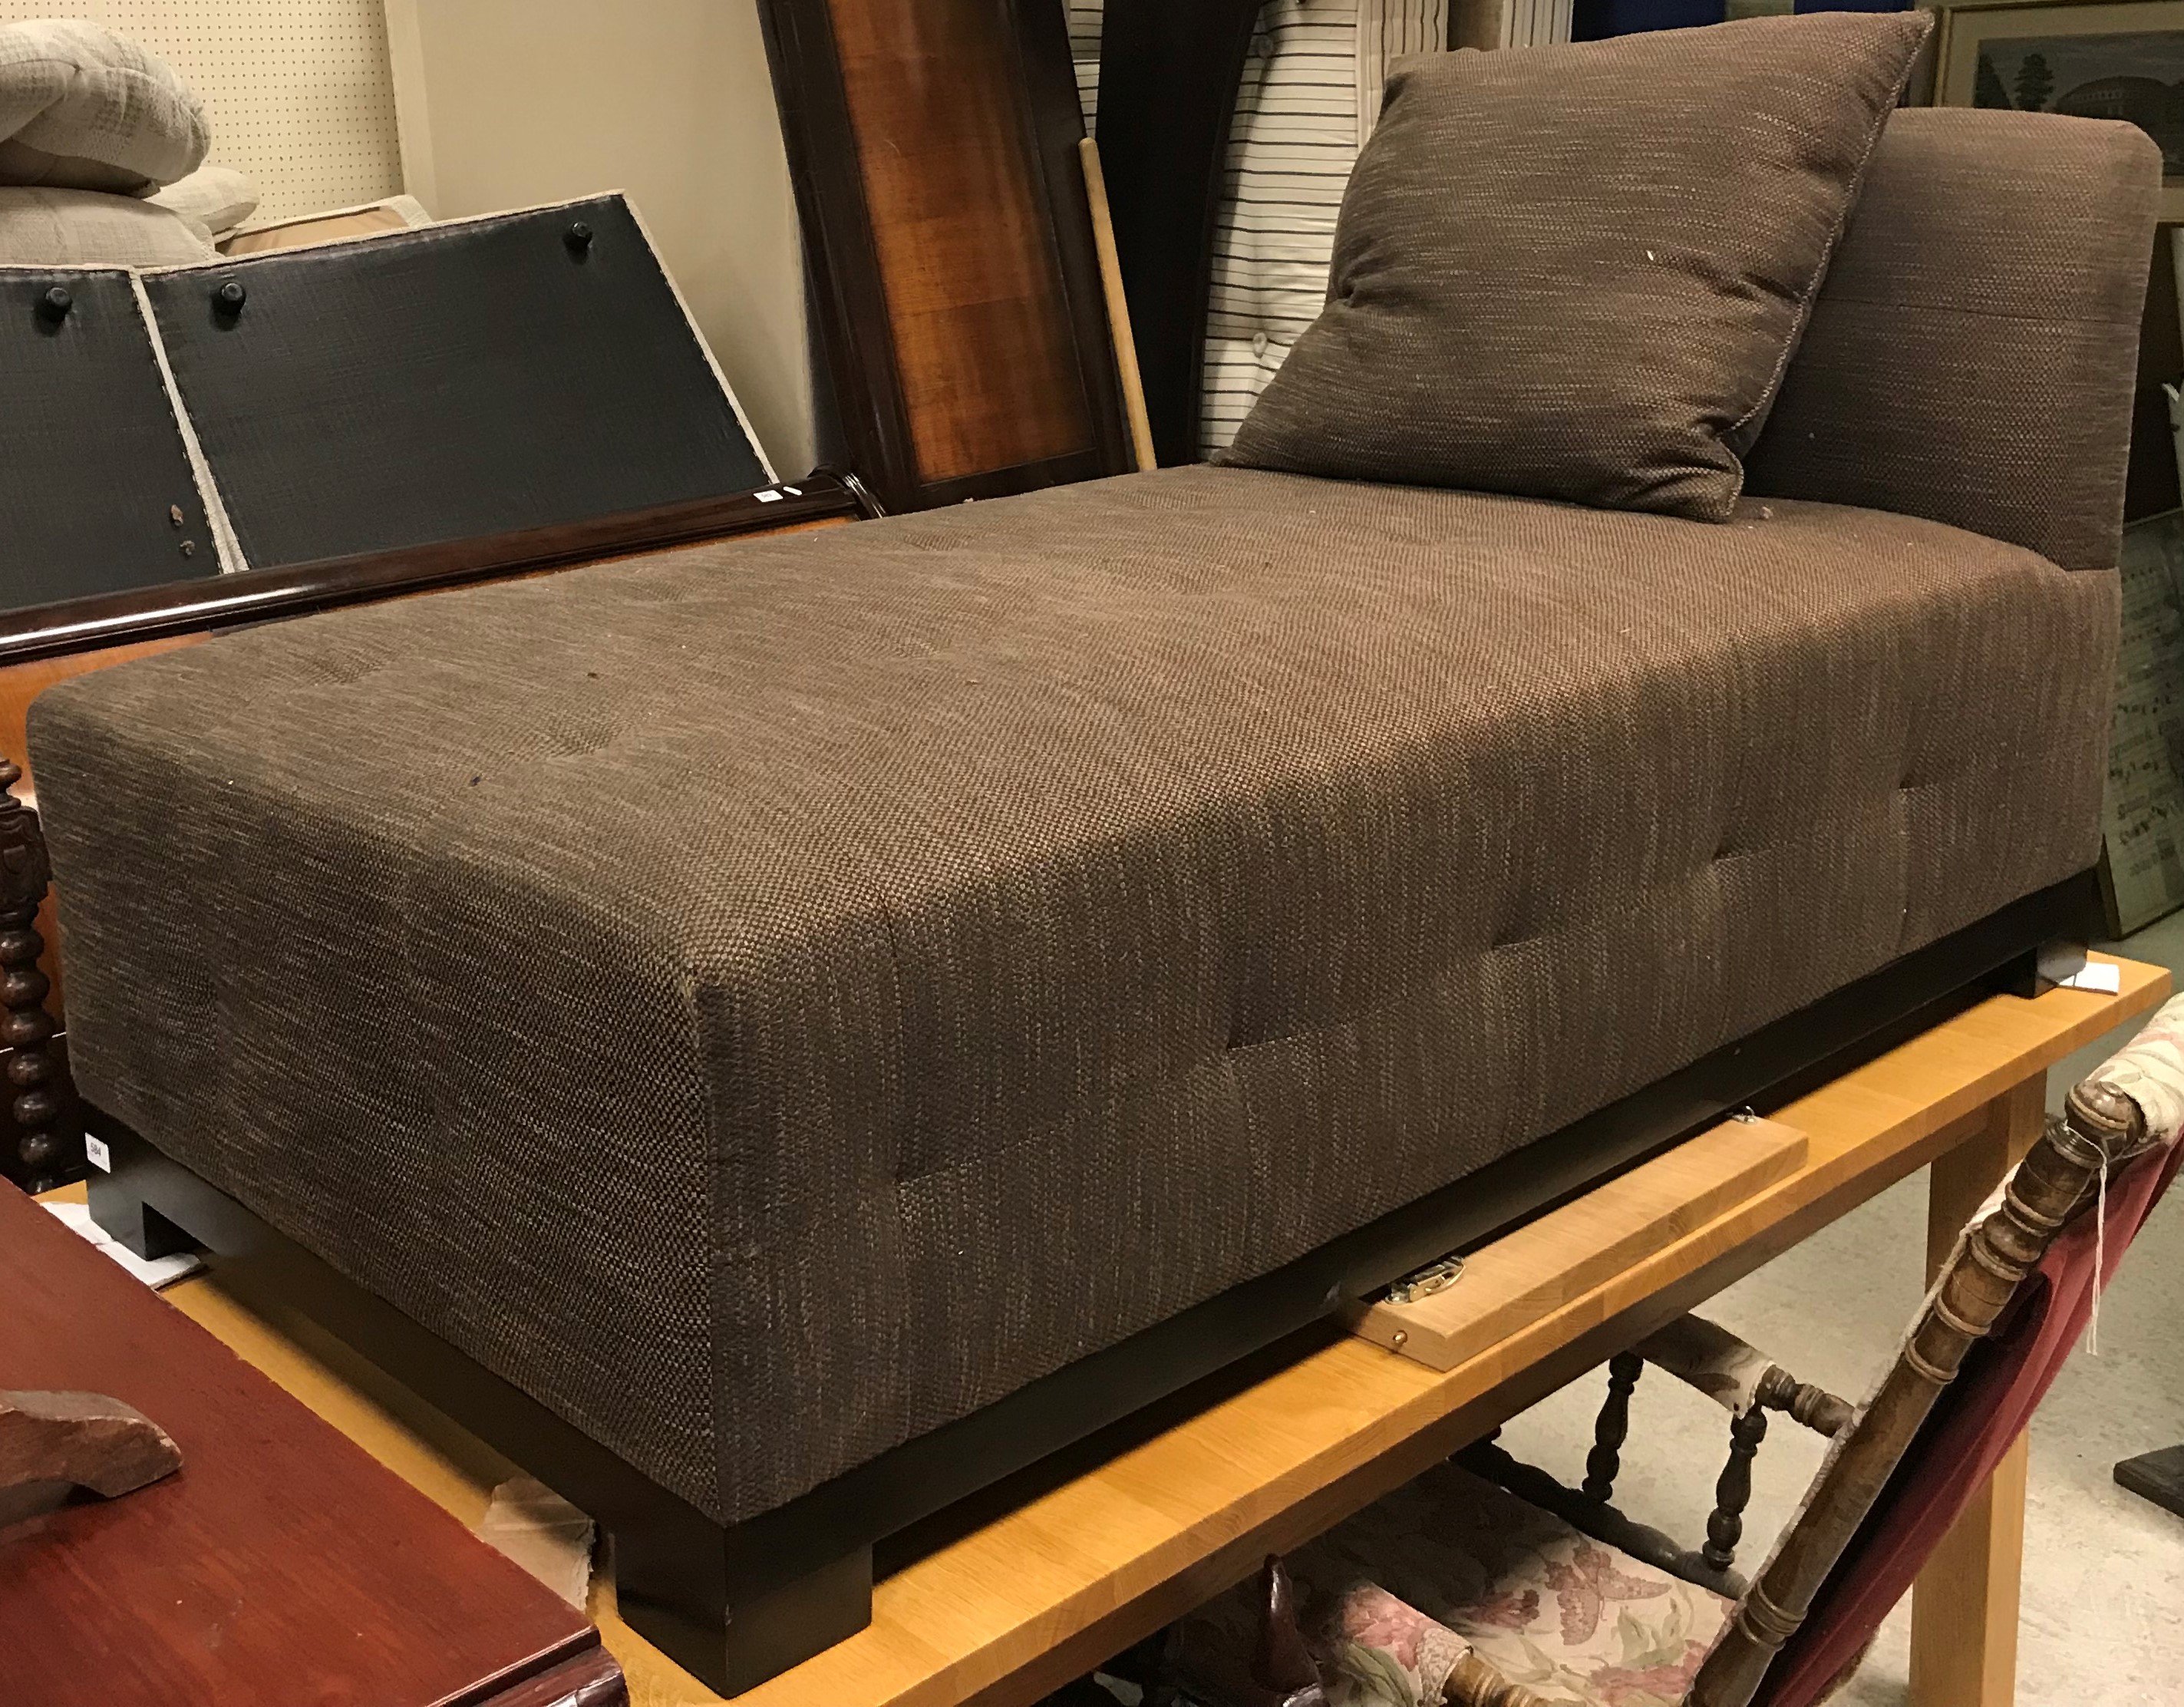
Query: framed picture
x=2124 y=60
x=2142 y=811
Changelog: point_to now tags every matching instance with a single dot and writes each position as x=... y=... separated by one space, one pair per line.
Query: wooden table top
x=282 y=1566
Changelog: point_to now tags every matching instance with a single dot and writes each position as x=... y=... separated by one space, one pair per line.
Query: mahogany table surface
x=283 y=1566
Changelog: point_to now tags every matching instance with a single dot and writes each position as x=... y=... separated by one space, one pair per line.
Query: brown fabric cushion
x=1972 y=355
x=1578 y=272
x=770 y=999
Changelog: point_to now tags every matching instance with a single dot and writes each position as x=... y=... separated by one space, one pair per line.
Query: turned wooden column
x=1604 y=1462
x=44 y=1157
x=1968 y=1662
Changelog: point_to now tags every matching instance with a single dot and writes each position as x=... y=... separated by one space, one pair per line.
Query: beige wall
x=298 y=90
x=504 y=103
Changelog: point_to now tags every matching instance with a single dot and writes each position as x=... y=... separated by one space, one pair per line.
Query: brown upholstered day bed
x=781 y=1036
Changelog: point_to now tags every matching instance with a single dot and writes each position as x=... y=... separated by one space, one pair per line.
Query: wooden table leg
x=1963 y=1610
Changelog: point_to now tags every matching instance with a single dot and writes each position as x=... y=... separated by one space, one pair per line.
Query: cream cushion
x=218 y=197
x=86 y=228
x=335 y=224
x=82 y=108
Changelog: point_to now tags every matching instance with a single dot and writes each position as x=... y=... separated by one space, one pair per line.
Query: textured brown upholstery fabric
x=1577 y=271
x=1972 y=355
x=771 y=999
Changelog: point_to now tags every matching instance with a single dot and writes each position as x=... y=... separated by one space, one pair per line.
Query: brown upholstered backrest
x=1972 y=355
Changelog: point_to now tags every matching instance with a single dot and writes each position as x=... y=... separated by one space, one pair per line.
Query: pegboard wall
x=299 y=92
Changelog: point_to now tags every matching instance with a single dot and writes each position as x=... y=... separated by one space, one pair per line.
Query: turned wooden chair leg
x=1604 y=1462
x=1811 y=1407
x=25 y=1028
x=1733 y=1492
x=1475 y=1683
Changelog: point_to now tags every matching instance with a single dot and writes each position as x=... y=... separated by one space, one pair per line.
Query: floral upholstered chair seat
x=1451 y=1567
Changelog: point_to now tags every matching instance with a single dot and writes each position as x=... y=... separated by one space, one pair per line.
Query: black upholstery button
x=578 y=238
x=230 y=297
x=54 y=304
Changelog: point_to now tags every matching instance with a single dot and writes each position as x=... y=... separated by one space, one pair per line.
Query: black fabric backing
x=91 y=462
x=463 y=379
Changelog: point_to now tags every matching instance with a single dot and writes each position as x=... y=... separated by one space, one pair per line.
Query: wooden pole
x=1119 y=309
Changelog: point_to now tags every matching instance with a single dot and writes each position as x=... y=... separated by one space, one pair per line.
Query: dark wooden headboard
x=934 y=143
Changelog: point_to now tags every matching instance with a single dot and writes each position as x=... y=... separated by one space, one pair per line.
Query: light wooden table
x=1008 y=1611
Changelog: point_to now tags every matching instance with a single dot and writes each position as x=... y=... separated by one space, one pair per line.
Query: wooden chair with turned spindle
x=1484 y=1583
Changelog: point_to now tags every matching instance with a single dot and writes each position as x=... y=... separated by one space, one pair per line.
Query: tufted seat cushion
x=770 y=999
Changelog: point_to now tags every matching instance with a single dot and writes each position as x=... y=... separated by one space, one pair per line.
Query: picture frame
x=2097 y=58
x=2142 y=805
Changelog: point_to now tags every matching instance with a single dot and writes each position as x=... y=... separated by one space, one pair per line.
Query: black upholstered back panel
x=458 y=380
x=91 y=462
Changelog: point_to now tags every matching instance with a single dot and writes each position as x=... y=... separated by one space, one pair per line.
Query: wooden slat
x=1118 y=309
x=1012 y=1609
x=1535 y=1271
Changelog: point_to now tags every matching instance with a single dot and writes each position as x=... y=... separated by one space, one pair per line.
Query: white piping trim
x=225 y=546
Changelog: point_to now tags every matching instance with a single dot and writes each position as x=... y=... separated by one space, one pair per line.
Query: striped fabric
x=1085 y=18
x=1311 y=95
x=1387 y=29
x=1293 y=140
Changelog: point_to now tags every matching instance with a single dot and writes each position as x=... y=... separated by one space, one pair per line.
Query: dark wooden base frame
x=738 y=1604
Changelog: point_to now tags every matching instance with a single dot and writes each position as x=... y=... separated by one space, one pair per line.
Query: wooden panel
x=279 y=1565
x=933 y=147
x=1964 y=1606
x=982 y=340
x=1512 y=1282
